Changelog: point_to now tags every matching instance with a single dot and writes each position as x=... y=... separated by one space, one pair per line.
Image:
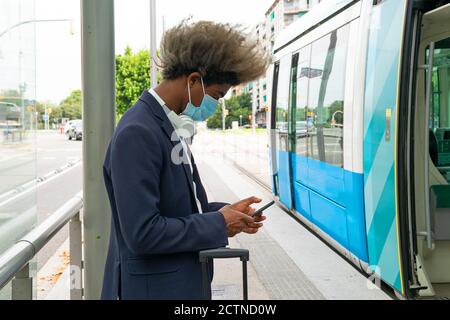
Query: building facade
x=281 y=14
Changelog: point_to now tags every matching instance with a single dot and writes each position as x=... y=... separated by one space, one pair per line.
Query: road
x=32 y=202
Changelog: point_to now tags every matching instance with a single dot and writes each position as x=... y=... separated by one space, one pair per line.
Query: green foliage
x=40 y=109
x=282 y=115
x=15 y=96
x=71 y=107
x=237 y=106
x=132 y=78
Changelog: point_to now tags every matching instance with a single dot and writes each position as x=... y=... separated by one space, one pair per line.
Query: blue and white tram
x=360 y=135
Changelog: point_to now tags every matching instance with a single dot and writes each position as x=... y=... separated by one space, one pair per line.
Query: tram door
x=281 y=131
x=431 y=157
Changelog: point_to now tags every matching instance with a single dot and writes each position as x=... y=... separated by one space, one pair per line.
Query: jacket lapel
x=169 y=131
x=201 y=192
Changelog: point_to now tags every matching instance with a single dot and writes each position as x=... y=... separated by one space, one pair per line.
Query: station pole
x=99 y=109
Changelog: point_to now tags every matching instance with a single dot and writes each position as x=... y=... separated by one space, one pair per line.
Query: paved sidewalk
x=289 y=261
x=53 y=279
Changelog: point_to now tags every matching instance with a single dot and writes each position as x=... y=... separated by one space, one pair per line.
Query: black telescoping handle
x=224 y=253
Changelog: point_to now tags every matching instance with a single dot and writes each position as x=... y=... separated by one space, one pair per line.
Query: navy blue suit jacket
x=156 y=230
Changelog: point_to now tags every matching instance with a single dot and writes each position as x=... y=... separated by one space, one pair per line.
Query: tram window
x=439 y=100
x=273 y=106
x=301 y=114
x=326 y=97
x=440 y=105
x=293 y=96
x=282 y=117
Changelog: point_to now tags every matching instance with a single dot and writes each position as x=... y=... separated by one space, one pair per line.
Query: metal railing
x=15 y=262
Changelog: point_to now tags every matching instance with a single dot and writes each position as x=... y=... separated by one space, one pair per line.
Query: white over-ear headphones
x=184 y=125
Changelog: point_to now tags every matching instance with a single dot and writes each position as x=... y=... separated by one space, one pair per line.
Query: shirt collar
x=160 y=100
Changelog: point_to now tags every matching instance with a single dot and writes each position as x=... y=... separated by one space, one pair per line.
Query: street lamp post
x=154 y=75
x=31 y=21
x=4 y=32
x=224 y=115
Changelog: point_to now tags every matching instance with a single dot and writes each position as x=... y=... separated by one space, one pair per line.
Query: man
x=161 y=217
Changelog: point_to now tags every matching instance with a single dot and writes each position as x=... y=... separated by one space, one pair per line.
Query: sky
x=58 y=53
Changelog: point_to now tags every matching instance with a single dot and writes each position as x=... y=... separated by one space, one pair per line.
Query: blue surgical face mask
x=207 y=107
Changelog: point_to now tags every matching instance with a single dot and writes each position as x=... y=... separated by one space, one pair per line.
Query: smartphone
x=260 y=211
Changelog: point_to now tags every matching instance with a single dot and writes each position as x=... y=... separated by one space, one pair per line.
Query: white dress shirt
x=186 y=150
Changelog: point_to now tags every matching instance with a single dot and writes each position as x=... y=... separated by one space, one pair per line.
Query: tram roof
x=323 y=11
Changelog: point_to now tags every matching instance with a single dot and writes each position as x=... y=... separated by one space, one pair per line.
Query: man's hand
x=237 y=221
x=254 y=227
x=244 y=207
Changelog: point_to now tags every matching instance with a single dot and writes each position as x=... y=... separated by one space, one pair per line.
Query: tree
x=40 y=109
x=70 y=107
x=132 y=78
x=237 y=106
x=16 y=96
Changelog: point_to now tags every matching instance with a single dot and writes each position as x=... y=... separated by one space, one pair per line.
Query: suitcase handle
x=224 y=253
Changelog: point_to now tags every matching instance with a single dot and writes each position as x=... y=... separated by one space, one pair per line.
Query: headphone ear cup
x=188 y=125
x=184 y=125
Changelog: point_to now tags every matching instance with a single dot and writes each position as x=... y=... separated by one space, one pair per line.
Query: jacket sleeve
x=216 y=206
x=136 y=163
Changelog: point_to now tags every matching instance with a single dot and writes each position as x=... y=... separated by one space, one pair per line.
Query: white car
x=69 y=125
x=76 y=131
